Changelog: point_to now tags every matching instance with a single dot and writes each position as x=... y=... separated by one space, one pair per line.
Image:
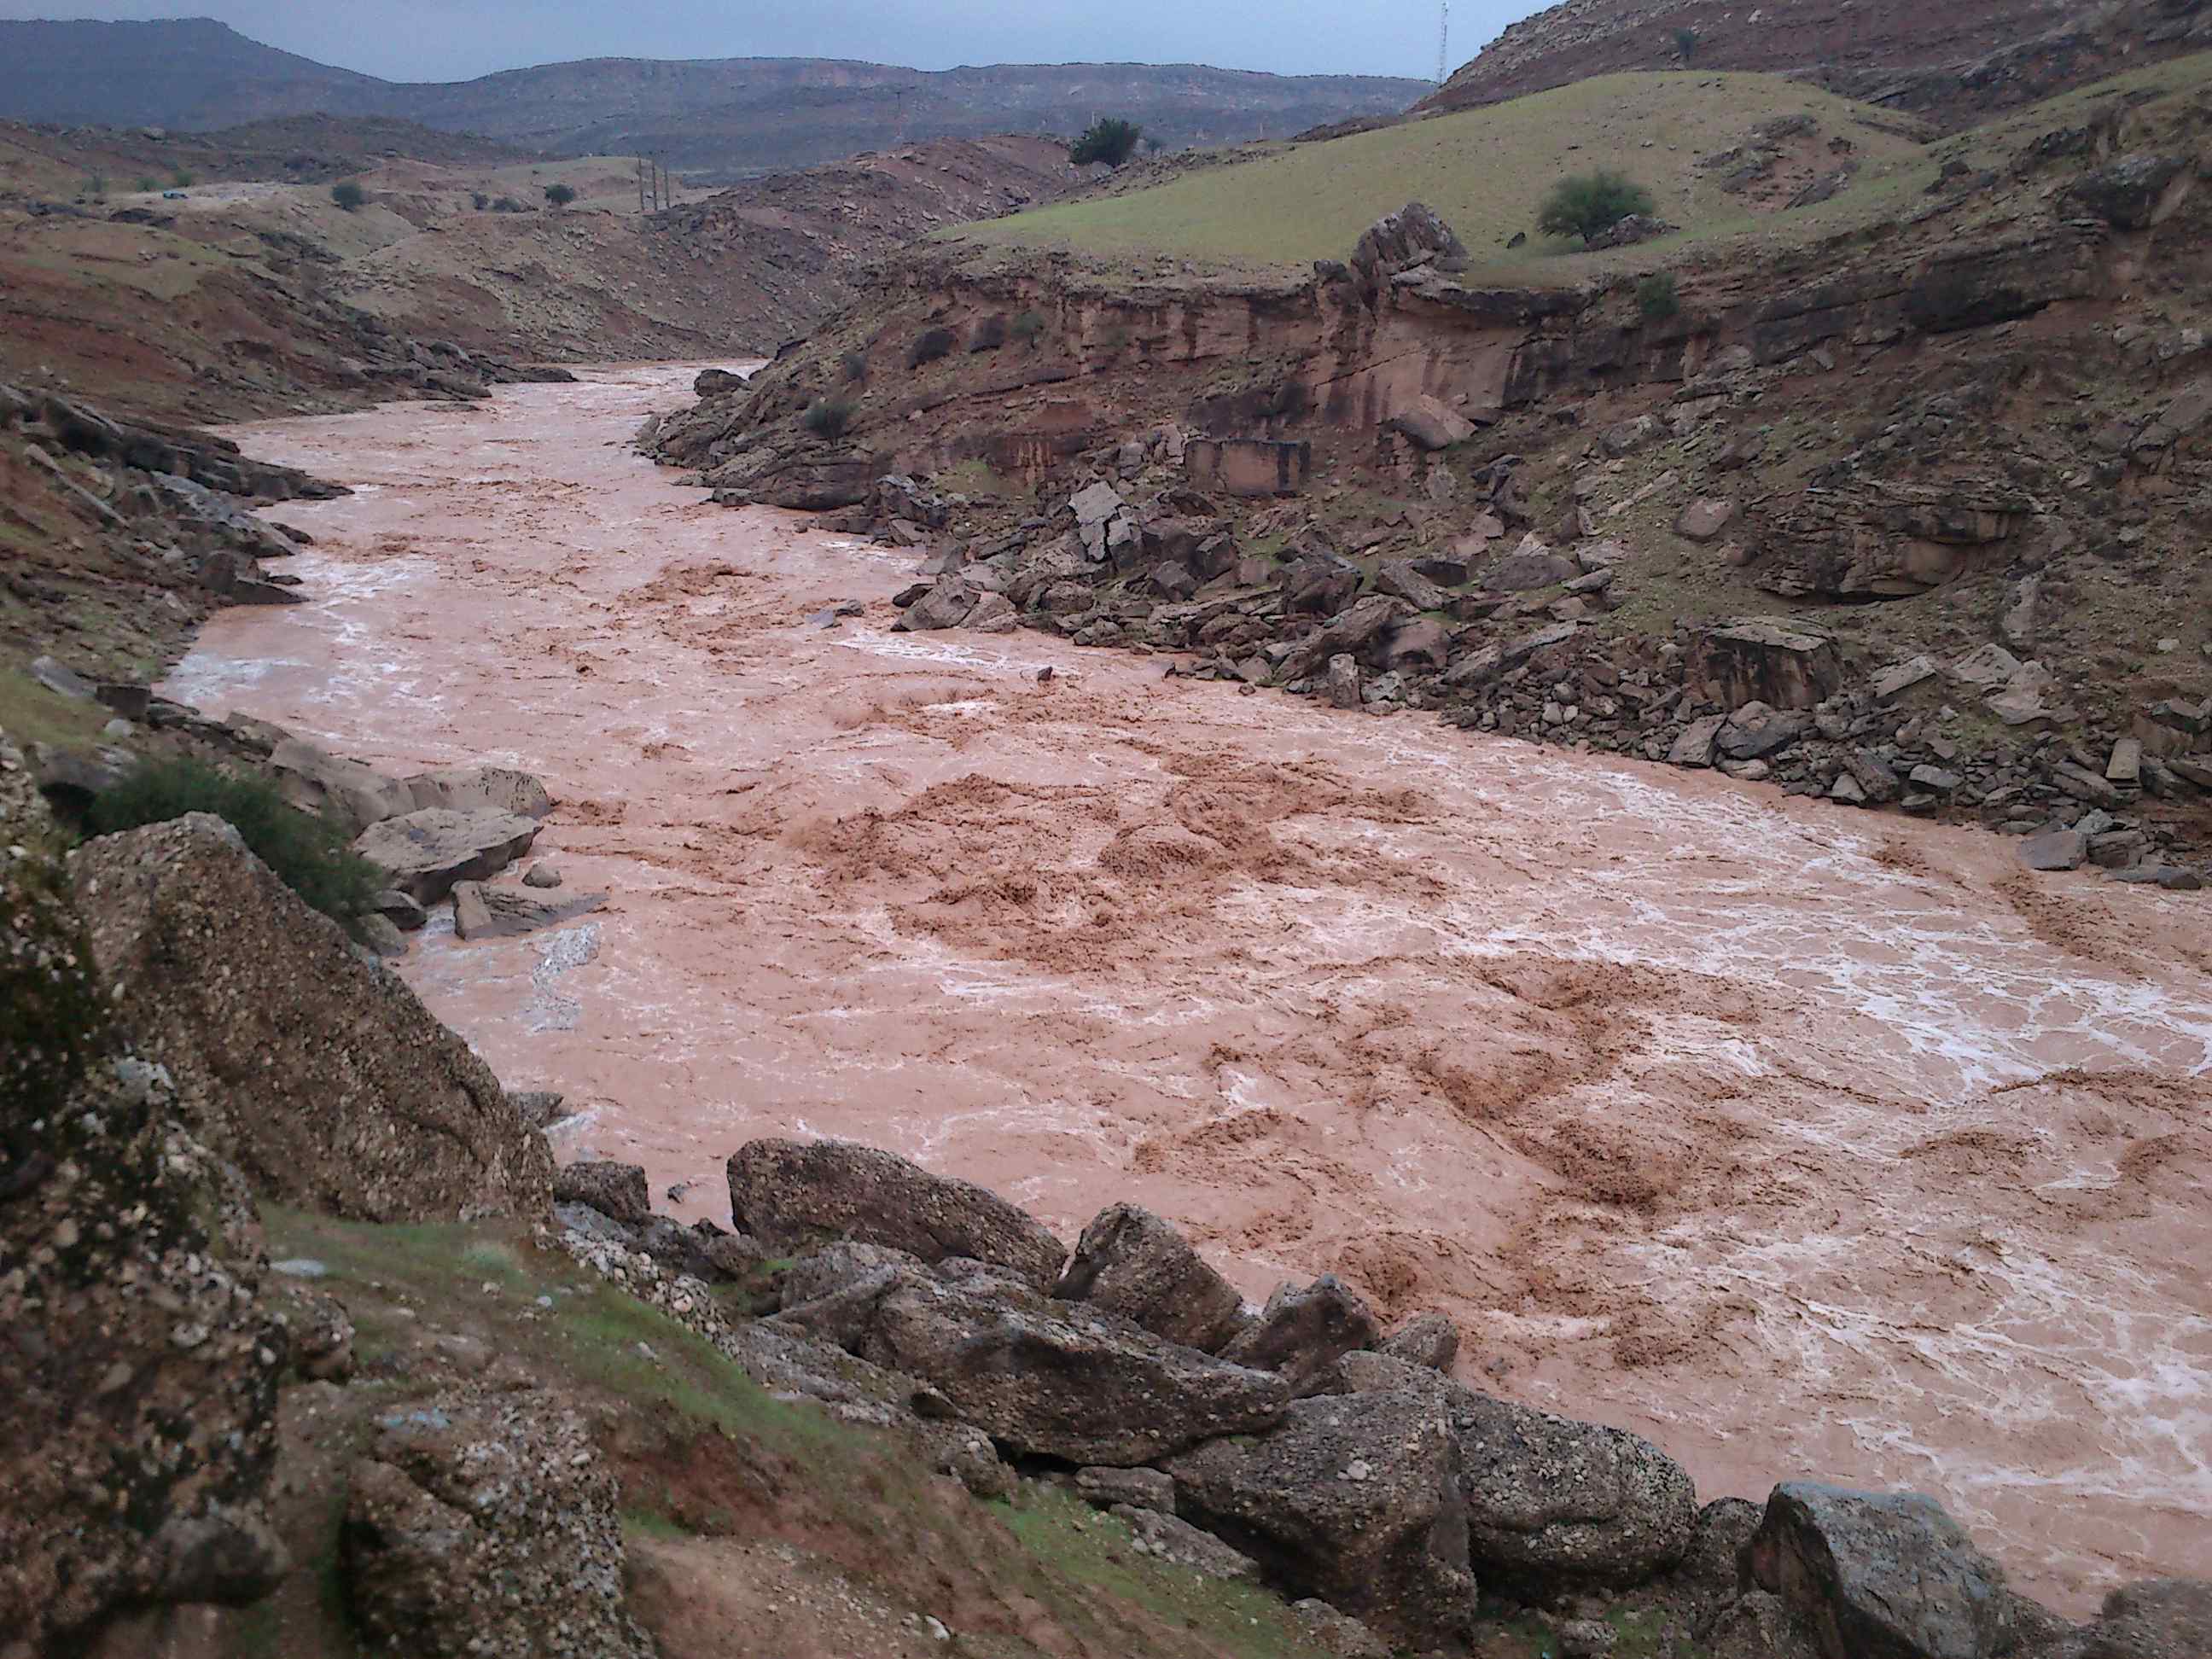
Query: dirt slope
x=1954 y=61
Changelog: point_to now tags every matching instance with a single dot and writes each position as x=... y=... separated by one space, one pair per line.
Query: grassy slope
x=1485 y=171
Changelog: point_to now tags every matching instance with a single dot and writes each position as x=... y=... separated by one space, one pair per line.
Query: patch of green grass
x=1487 y=172
x=31 y=713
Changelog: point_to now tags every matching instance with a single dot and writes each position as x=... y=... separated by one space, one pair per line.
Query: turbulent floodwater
x=1802 y=1141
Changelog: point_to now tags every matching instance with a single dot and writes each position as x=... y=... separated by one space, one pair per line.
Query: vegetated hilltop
x=1870 y=467
x=721 y=119
x=250 y=291
x=1952 y=62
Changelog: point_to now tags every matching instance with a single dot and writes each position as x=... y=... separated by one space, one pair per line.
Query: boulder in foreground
x=427 y=852
x=318 y=1072
x=794 y=1195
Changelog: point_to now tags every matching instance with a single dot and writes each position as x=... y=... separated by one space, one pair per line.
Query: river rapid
x=1803 y=1141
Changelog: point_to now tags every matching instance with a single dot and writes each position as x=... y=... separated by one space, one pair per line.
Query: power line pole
x=1443 y=45
x=640 y=171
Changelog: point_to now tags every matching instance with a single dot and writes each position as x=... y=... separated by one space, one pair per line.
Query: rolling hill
x=715 y=120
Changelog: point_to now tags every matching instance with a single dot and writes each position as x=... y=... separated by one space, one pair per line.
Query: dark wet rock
x=1881 y=1575
x=1048 y=1378
x=1551 y=1502
x=2135 y=192
x=617 y=1190
x=795 y=1196
x=1302 y=1333
x=430 y=1567
x=1433 y=1339
x=1132 y=1263
x=425 y=852
x=318 y=1074
x=1357 y=1500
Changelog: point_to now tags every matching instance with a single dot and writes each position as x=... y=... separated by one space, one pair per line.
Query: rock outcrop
x=1132 y=1263
x=794 y=1195
x=318 y=1072
x=485 y=1526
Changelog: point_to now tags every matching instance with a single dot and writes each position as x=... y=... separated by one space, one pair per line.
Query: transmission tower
x=1443 y=45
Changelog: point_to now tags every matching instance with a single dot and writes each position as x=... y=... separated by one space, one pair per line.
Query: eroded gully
x=1802 y=1141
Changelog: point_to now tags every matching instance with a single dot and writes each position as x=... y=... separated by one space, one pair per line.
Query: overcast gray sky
x=456 y=40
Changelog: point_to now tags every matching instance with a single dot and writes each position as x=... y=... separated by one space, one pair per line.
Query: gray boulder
x=2135 y=192
x=1302 y=1333
x=1881 y=1575
x=1132 y=1263
x=1431 y=1341
x=795 y=1196
x=1142 y=1489
x=1048 y=1378
x=344 y=793
x=482 y=912
x=319 y=1074
x=1163 y=1537
x=617 y=1190
x=1357 y=1500
x=948 y=604
x=1551 y=1502
x=481 y=789
x=426 y=852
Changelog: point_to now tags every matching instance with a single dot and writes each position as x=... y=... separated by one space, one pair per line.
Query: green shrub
x=148 y=186
x=828 y=417
x=560 y=195
x=1591 y=201
x=1029 y=328
x=479 y=200
x=183 y=178
x=349 y=195
x=1685 y=42
x=929 y=345
x=1658 y=296
x=990 y=334
x=96 y=186
x=1110 y=140
x=309 y=856
x=506 y=205
x=855 y=365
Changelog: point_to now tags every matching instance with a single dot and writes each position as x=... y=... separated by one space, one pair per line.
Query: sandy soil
x=1802 y=1141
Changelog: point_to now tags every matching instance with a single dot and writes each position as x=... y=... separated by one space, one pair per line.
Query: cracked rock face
x=486 y=1526
x=129 y=1316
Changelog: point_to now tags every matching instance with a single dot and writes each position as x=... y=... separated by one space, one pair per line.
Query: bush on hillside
x=560 y=195
x=184 y=179
x=349 y=195
x=1659 y=296
x=1591 y=201
x=148 y=185
x=828 y=417
x=506 y=205
x=309 y=856
x=1685 y=42
x=96 y=186
x=855 y=365
x=479 y=200
x=990 y=334
x=1110 y=141
x=929 y=345
x=1029 y=328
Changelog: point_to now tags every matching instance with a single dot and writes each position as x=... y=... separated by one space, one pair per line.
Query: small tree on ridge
x=1591 y=201
x=349 y=195
x=1110 y=140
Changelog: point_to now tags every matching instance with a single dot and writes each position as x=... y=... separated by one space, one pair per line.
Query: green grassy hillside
x=1486 y=171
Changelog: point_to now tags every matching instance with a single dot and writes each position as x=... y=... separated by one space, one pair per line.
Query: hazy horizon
x=462 y=39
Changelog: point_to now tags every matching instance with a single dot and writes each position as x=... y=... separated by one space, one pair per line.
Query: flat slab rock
x=482 y=912
x=427 y=852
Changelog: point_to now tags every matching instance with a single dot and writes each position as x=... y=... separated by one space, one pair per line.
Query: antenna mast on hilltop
x=1443 y=45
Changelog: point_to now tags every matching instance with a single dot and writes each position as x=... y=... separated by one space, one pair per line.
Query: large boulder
x=482 y=789
x=139 y=1434
x=1132 y=1263
x=318 y=1072
x=425 y=852
x=2136 y=191
x=1432 y=424
x=1302 y=1333
x=1357 y=1500
x=1881 y=1574
x=794 y=1195
x=346 y=794
x=1764 y=659
x=1412 y=237
x=1048 y=1378
x=481 y=912
x=1550 y=1502
x=487 y=1527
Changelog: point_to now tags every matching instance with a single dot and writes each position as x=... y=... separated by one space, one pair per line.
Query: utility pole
x=640 y=171
x=1443 y=45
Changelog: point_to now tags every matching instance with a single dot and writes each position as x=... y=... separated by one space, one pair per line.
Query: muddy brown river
x=1802 y=1141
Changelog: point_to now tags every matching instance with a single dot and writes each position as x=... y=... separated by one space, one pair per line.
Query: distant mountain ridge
x=717 y=119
